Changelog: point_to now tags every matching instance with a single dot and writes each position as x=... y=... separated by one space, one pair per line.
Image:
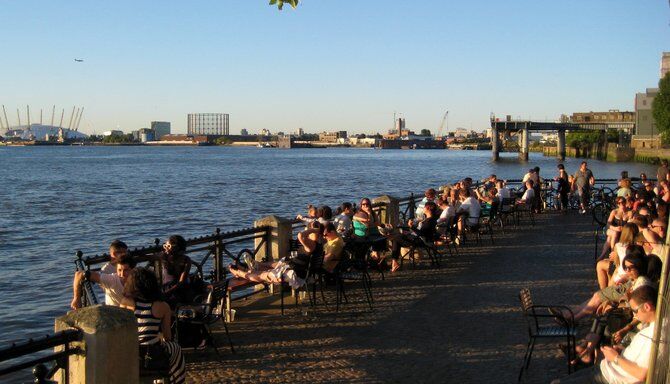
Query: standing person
x=563 y=188
x=537 y=187
x=582 y=183
x=662 y=171
x=154 y=316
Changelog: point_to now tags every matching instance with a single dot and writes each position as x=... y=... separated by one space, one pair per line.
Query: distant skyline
x=328 y=66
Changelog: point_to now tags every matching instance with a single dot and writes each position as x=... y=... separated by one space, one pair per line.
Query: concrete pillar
x=560 y=145
x=495 y=150
x=523 y=154
x=277 y=243
x=391 y=212
x=110 y=344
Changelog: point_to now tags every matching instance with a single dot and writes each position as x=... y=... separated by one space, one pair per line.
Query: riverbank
x=458 y=323
x=612 y=153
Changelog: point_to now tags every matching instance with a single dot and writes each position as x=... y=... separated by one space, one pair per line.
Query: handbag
x=154 y=357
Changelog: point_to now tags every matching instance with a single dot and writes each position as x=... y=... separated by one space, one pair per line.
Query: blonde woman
x=628 y=234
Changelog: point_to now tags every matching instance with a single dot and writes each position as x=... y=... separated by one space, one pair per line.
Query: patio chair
x=204 y=314
x=546 y=322
x=352 y=267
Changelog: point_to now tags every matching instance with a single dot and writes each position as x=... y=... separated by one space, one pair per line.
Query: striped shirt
x=148 y=325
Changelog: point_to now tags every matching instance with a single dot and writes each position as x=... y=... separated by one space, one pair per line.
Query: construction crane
x=444 y=119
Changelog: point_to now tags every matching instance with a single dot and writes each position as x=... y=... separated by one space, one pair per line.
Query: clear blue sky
x=328 y=65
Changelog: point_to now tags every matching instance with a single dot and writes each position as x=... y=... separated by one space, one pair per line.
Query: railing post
x=390 y=214
x=218 y=256
x=411 y=207
x=109 y=337
x=277 y=240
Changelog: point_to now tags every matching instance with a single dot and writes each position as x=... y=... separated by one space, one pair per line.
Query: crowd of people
x=627 y=271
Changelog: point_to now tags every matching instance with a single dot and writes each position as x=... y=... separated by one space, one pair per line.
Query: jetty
x=456 y=320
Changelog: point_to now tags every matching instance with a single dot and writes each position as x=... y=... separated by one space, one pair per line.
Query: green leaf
x=273 y=2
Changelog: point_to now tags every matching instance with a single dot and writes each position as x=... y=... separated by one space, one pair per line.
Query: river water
x=55 y=200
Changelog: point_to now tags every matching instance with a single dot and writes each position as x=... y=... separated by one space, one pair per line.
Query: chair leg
x=530 y=353
x=210 y=339
x=230 y=341
x=525 y=359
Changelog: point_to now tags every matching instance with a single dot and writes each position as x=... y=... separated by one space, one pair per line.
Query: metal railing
x=20 y=351
x=204 y=251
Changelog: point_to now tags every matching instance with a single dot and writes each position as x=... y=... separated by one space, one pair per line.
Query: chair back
x=507 y=205
x=528 y=310
x=215 y=297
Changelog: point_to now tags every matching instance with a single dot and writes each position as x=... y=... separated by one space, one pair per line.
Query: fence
x=19 y=351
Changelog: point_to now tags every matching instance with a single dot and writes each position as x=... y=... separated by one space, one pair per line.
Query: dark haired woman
x=153 y=317
x=176 y=267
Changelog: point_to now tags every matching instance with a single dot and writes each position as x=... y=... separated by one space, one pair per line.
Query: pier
x=504 y=130
x=456 y=322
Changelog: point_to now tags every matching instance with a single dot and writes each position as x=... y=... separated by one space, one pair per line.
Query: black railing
x=22 y=350
x=202 y=250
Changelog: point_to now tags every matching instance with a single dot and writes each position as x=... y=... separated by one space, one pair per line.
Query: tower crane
x=444 y=119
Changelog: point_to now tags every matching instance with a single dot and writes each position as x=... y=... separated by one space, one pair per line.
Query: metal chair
x=207 y=313
x=545 y=322
x=352 y=267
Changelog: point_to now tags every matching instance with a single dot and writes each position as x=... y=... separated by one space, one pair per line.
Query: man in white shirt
x=469 y=205
x=627 y=366
x=529 y=195
x=112 y=283
x=503 y=191
x=117 y=250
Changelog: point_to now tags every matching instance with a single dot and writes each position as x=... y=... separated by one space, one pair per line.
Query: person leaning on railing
x=111 y=283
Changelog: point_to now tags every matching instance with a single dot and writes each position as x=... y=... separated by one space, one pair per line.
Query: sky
x=327 y=65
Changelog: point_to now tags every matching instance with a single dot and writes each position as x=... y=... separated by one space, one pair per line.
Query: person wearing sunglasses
x=616 y=220
x=175 y=269
x=628 y=365
x=635 y=265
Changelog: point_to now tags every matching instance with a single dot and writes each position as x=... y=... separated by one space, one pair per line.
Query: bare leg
x=587 y=308
x=602 y=269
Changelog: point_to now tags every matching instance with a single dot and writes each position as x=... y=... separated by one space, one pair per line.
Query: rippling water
x=55 y=200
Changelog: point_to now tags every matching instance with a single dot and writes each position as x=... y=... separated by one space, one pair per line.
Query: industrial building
x=215 y=124
x=160 y=129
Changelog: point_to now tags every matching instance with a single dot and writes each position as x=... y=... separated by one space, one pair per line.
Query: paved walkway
x=460 y=323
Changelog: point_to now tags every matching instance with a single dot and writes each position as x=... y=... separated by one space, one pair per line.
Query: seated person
x=117 y=250
x=528 y=195
x=635 y=264
x=176 y=267
x=469 y=207
x=627 y=365
x=332 y=249
x=421 y=232
x=111 y=283
x=154 y=317
x=429 y=196
x=448 y=211
x=343 y=222
x=311 y=215
x=503 y=191
x=292 y=271
x=324 y=214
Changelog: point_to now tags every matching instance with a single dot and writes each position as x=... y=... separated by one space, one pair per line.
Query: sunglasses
x=362 y=204
x=629 y=268
x=636 y=309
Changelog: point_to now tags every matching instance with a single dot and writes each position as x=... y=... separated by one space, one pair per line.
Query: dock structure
x=501 y=130
x=457 y=323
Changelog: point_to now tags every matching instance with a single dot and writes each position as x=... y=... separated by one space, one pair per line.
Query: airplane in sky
x=79 y=60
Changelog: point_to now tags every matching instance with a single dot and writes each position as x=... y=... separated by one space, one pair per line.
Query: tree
x=280 y=3
x=425 y=132
x=660 y=108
